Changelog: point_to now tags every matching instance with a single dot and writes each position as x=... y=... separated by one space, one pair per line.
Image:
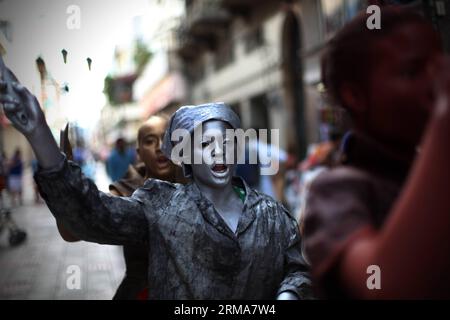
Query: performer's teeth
x=220 y=168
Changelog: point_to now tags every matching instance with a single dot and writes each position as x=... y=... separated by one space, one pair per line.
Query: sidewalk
x=45 y=266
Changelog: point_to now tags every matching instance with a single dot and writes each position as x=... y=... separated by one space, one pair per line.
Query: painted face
x=216 y=168
x=401 y=86
x=149 y=149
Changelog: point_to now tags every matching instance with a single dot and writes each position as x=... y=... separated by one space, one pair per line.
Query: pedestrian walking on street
x=15 y=177
x=119 y=160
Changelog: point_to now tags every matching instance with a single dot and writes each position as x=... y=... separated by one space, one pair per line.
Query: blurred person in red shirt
x=387 y=205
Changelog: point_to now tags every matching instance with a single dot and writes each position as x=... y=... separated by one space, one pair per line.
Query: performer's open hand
x=20 y=106
x=23 y=110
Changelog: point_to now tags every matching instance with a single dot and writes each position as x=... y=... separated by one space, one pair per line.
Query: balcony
x=247 y=3
x=187 y=46
x=243 y=7
x=190 y=45
x=207 y=18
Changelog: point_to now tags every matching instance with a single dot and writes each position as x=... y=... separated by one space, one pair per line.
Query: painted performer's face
x=216 y=168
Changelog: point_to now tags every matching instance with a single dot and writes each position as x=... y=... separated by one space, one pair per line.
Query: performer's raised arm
x=72 y=198
x=24 y=112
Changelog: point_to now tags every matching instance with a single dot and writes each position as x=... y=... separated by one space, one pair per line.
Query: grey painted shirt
x=193 y=253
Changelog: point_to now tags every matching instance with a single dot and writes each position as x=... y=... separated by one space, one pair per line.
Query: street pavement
x=47 y=267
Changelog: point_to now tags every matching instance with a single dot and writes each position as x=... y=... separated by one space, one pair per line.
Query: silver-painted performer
x=213 y=238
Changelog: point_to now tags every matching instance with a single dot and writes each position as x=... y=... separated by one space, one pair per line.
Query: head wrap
x=187 y=117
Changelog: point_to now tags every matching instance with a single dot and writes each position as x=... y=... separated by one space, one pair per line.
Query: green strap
x=240 y=192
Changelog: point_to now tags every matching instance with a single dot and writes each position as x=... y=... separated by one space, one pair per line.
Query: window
x=236 y=108
x=260 y=112
x=224 y=55
x=195 y=71
x=336 y=12
x=5 y=28
x=254 y=39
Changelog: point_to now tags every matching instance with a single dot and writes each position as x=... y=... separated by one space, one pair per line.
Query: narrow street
x=43 y=266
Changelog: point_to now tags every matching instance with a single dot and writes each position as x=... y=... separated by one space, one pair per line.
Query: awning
x=171 y=88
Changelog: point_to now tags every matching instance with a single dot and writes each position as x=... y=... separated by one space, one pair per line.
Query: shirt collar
x=212 y=216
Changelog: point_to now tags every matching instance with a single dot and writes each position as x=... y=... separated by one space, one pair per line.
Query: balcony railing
x=241 y=3
x=189 y=45
x=206 y=16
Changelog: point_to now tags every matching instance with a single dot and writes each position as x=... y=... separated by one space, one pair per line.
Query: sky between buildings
x=40 y=28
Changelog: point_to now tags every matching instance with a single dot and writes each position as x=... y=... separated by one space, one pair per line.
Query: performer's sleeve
x=296 y=279
x=90 y=214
